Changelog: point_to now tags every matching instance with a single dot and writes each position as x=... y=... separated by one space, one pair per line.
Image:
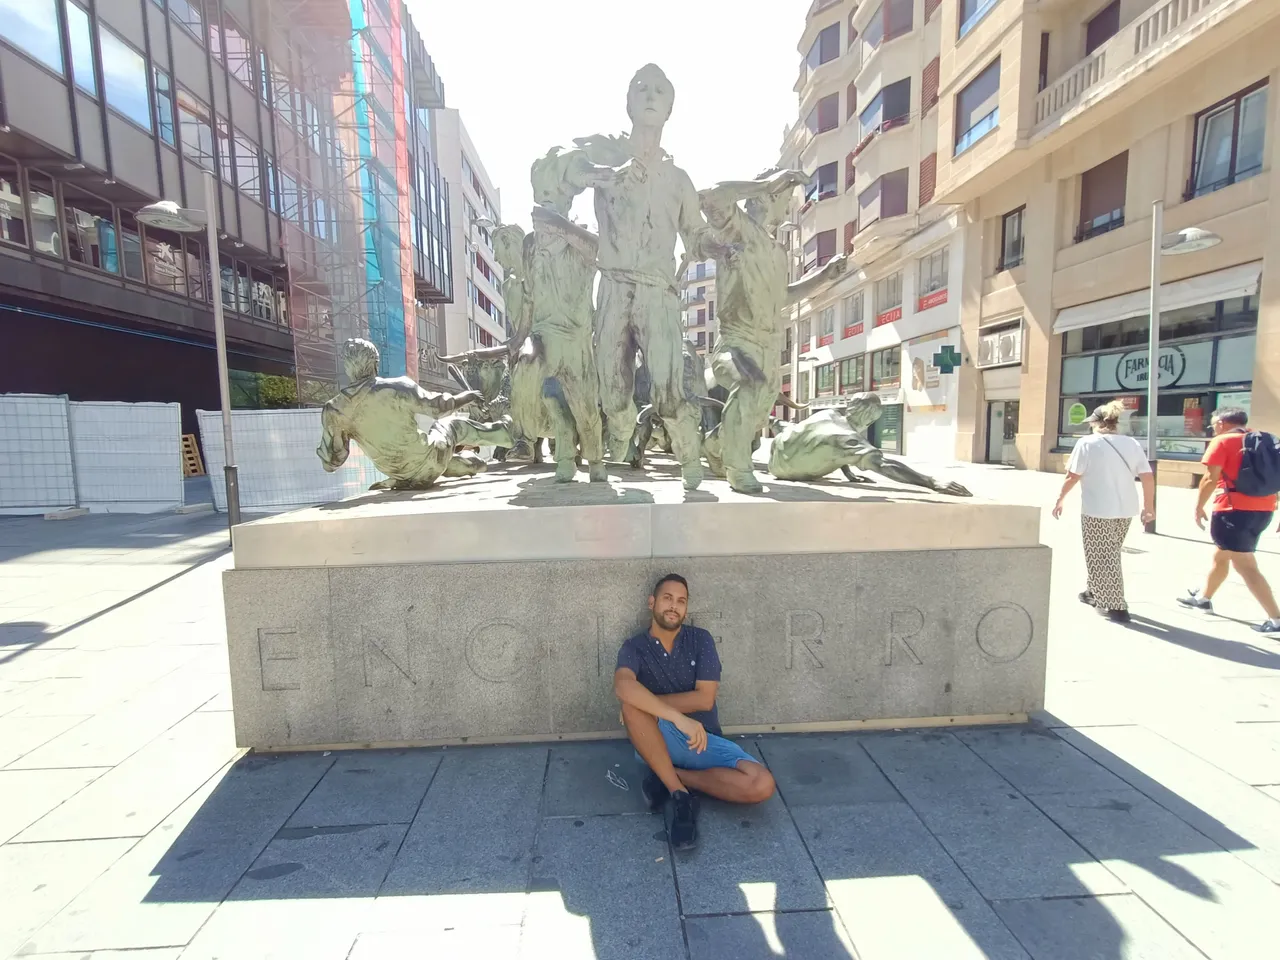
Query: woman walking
x=1107 y=463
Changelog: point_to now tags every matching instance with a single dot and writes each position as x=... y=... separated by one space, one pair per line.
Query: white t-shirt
x=1106 y=475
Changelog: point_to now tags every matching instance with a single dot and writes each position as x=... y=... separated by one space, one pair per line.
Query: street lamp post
x=1184 y=241
x=169 y=216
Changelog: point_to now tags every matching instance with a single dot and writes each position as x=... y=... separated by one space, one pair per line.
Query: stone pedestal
x=492 y=609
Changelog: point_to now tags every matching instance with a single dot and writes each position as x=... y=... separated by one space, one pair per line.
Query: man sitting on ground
x=667 y=678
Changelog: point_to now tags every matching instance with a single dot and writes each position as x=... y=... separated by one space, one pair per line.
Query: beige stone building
x=1060 y=123
x=699 y=301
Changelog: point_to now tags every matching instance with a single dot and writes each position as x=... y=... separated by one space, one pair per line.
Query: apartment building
x=699 y=300
x=331 y=211
x=867 y=133
x=1060 y=124
x=478 y=316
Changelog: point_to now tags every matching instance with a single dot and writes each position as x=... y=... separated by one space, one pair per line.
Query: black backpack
x=1259 y=465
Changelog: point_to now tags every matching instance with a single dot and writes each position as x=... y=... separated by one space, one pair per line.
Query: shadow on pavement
x=1236 y=651
x=985 y=837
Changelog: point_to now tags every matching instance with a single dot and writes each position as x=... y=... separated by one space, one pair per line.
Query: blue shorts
x=719 y=753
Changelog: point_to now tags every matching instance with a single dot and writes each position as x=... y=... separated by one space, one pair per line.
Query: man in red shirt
x=1238 y=520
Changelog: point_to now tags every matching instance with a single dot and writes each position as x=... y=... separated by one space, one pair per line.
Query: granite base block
x=446 y=652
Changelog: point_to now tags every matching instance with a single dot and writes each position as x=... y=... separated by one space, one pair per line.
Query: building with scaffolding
x=315 y=116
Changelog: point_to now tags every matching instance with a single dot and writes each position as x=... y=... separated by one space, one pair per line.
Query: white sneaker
x=1268 y=626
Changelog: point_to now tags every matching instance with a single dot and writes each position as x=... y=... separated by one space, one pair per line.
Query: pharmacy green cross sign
x=946 y=359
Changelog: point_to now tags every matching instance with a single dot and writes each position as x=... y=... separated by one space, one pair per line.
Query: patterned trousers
x=1103 y=538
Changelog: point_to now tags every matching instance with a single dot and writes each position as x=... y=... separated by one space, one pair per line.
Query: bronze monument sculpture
x=380 y=413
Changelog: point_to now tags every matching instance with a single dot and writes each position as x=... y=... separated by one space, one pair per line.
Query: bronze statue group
x=605 y=377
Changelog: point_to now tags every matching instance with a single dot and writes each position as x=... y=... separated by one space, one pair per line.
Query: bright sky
x=530 y=74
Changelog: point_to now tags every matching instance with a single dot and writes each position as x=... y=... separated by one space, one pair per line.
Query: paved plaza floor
x=1137 y=817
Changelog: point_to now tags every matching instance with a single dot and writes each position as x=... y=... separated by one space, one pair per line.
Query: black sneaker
x=1195 y=601
x=1268 y=626
x=1086 y=597
x=654 y=791
x=682 y=821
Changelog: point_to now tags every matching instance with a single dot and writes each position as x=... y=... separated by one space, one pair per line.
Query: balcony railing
x=1134 y=41
x=1100 y=225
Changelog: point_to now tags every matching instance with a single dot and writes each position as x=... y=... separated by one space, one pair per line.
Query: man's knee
x=761 y=785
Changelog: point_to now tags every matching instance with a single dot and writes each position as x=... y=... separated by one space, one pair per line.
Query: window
x=248 y=169
x=825 y=48
x=711 y=311
x=90 y=230
x=887 y=197
x=851 y=307
x=933 y=272
x=888 y=295
x=827 y=326
x=972 y=12
x=820 y=248
x=702 y=317
x=1000 y=345
x=235 y=51
x=45 y=232
x=13 y=206
x=81 y=48
x=1102 y=193
x=1228 y=145
x=124 y=75
x=890 y=20
x=199 y=281
x=978 y=107
x=805 y=337
x=824 y=184
x=886 y=368
x=188 y=14
x=825 y=115
x=32 y=27
x=196 y=129
x=1011 y=239
x=853 y=373
x=164 y=106
x=130 y=246
x=264 y=78
x=825 y=380
x=163 y=261
x=889 y=108
x=226 y=162
x=1104 y=25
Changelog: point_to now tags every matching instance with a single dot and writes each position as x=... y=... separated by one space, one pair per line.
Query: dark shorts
x=1239 y=530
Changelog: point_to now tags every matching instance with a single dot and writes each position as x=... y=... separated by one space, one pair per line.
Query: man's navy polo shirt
x=692 y=658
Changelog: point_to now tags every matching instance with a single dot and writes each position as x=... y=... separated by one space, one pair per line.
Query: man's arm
x=632 y=692
x=436 y=405
x=335 y=444
x=701 y=240
x=1208 y=483
x=701 y=698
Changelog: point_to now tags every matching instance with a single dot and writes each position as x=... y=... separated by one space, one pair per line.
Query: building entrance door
x=1002 y=431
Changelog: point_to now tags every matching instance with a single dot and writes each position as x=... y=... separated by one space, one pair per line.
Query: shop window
x=32 y=27
x=130 y=246
x=852 y=374
x=825 y=380
x=164 y=262
x=1102 y=196
x=81 y=42
x=124 y=76
x=1240 y=313
x=13 y=205
x=886 y=368
x=1235 y=360
x=978 y=107
x=90 y=230
x=1228 y=141
x=1011 y=239
x=43 y=207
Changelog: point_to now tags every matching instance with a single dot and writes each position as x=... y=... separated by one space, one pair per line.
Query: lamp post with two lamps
x=168 y=215
x=1188 y=240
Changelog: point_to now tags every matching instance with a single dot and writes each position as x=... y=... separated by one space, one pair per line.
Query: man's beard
x=668 y=620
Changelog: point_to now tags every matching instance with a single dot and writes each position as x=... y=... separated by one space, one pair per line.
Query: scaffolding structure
x=343 y=184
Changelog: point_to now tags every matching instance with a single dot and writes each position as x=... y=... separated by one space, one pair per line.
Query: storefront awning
x=1241 y=281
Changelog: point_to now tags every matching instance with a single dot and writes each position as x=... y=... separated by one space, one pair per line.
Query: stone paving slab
x=820 y=771
x=1116 y=928
x=369 y=787
x=896 y=889
x=814 y=935
x=593 y=779
x=20 y=735
x=27 y=795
